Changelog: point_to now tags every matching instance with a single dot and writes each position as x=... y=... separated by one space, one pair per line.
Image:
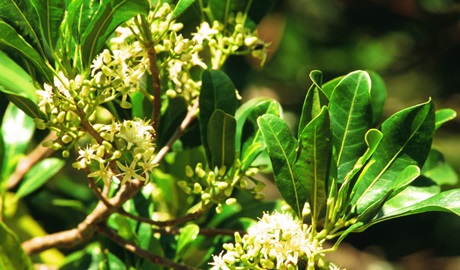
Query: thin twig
x=165 y=223
x=25 y=163
x=210 y=232
x=139 y=251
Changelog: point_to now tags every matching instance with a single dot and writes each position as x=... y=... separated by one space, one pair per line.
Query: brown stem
x=24 y=164
x=139 y=251
x=166 y=223
x=156 y=85
x=210 y=232
x=87 y=228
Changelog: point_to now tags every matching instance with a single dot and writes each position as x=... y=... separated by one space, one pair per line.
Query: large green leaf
x=38 y=175
x=17 y=130
x=12 y=256
x=187 y=236
x=314 y=101
x=312 y=166
x=109 y=15
x=50 y=14
x=351 y=117
x=221 y=139
x=281 y=146
x=217 y=92
x=15 y=82
x=12 y=40
x=407 y=138
x=21 y=16
x=447 y=201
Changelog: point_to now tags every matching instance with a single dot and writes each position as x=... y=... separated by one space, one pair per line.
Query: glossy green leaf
x=11 y=39
x=314 y=101
x=20 y=15
x=17 y=130
x=447 y=201
x=444 y=115
x=181 y=7
x=188 y=234
x=420 y=189
x=50 y=14
x=15 y=82
x=437 y=169
x=378 y=96
x=171 y=119
x=407 y=137
x=12 y=256
x=217 y=92
x=112 y=262
x=281 y=146
x=328 y=87
x=221 y=139
x=312 y=166
x=109 y=15
x=38 y=175
x=351 y=117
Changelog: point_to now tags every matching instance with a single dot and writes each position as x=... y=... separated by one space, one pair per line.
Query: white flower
x=219 y=263
x=45 y=95
x=204 y=33
x=137 y=133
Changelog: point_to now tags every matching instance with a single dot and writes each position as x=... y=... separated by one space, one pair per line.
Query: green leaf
x=221 y=139
x=171 y=119
x=328 y=87
x=15 y=82
x=351 y=117
x=11 y=39
x=437 y=169
x=17 y=130
x=38 y=175
x=112 y=262
x=281 y=146
x=407 y=137
x=444 y=115
x=312 y=166
x=188 y=234
x=21 y=16
x=12 y=256
x=50 y=14
x=378 y=96
x=448 y=201
x=217 y=92
x=181 y=7
x=109 y=15
x=314 y=101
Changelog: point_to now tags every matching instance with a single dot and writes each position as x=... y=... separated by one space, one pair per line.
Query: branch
x=156 y=85
x=25 y=163
x=166 y=223
x=139 y=251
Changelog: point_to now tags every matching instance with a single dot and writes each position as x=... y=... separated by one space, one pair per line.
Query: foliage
x=140 y=105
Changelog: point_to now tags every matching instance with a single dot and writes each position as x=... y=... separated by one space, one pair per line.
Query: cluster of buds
x=216 y=187
x=130 y=145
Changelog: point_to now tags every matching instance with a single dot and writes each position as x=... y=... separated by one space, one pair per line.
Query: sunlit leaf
x=38 y=175
x=403 y=145
x=50 y=14
x=12 y=256
x=378 y=96
x=17 y=130
x=188 y=234
x=443 y=116
x=437 y=169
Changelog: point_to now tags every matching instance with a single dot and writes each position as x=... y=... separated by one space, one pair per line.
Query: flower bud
x=189 y=171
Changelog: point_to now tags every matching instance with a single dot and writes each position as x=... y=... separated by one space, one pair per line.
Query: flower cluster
x=216 y=186
x=133 y=154
x=277 y=241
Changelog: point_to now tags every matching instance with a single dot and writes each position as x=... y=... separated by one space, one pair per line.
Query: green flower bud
x=65 y=153
x=200 y=172
x=66 y=138
x=222 y=170
x=205 y=196
x=230 y=201
x=222 y=185
x=189 y=171
x=197 y=188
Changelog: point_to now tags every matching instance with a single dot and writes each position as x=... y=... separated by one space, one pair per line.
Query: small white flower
x=204 y=33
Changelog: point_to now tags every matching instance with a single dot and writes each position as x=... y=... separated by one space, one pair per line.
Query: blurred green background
x=415 y=46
